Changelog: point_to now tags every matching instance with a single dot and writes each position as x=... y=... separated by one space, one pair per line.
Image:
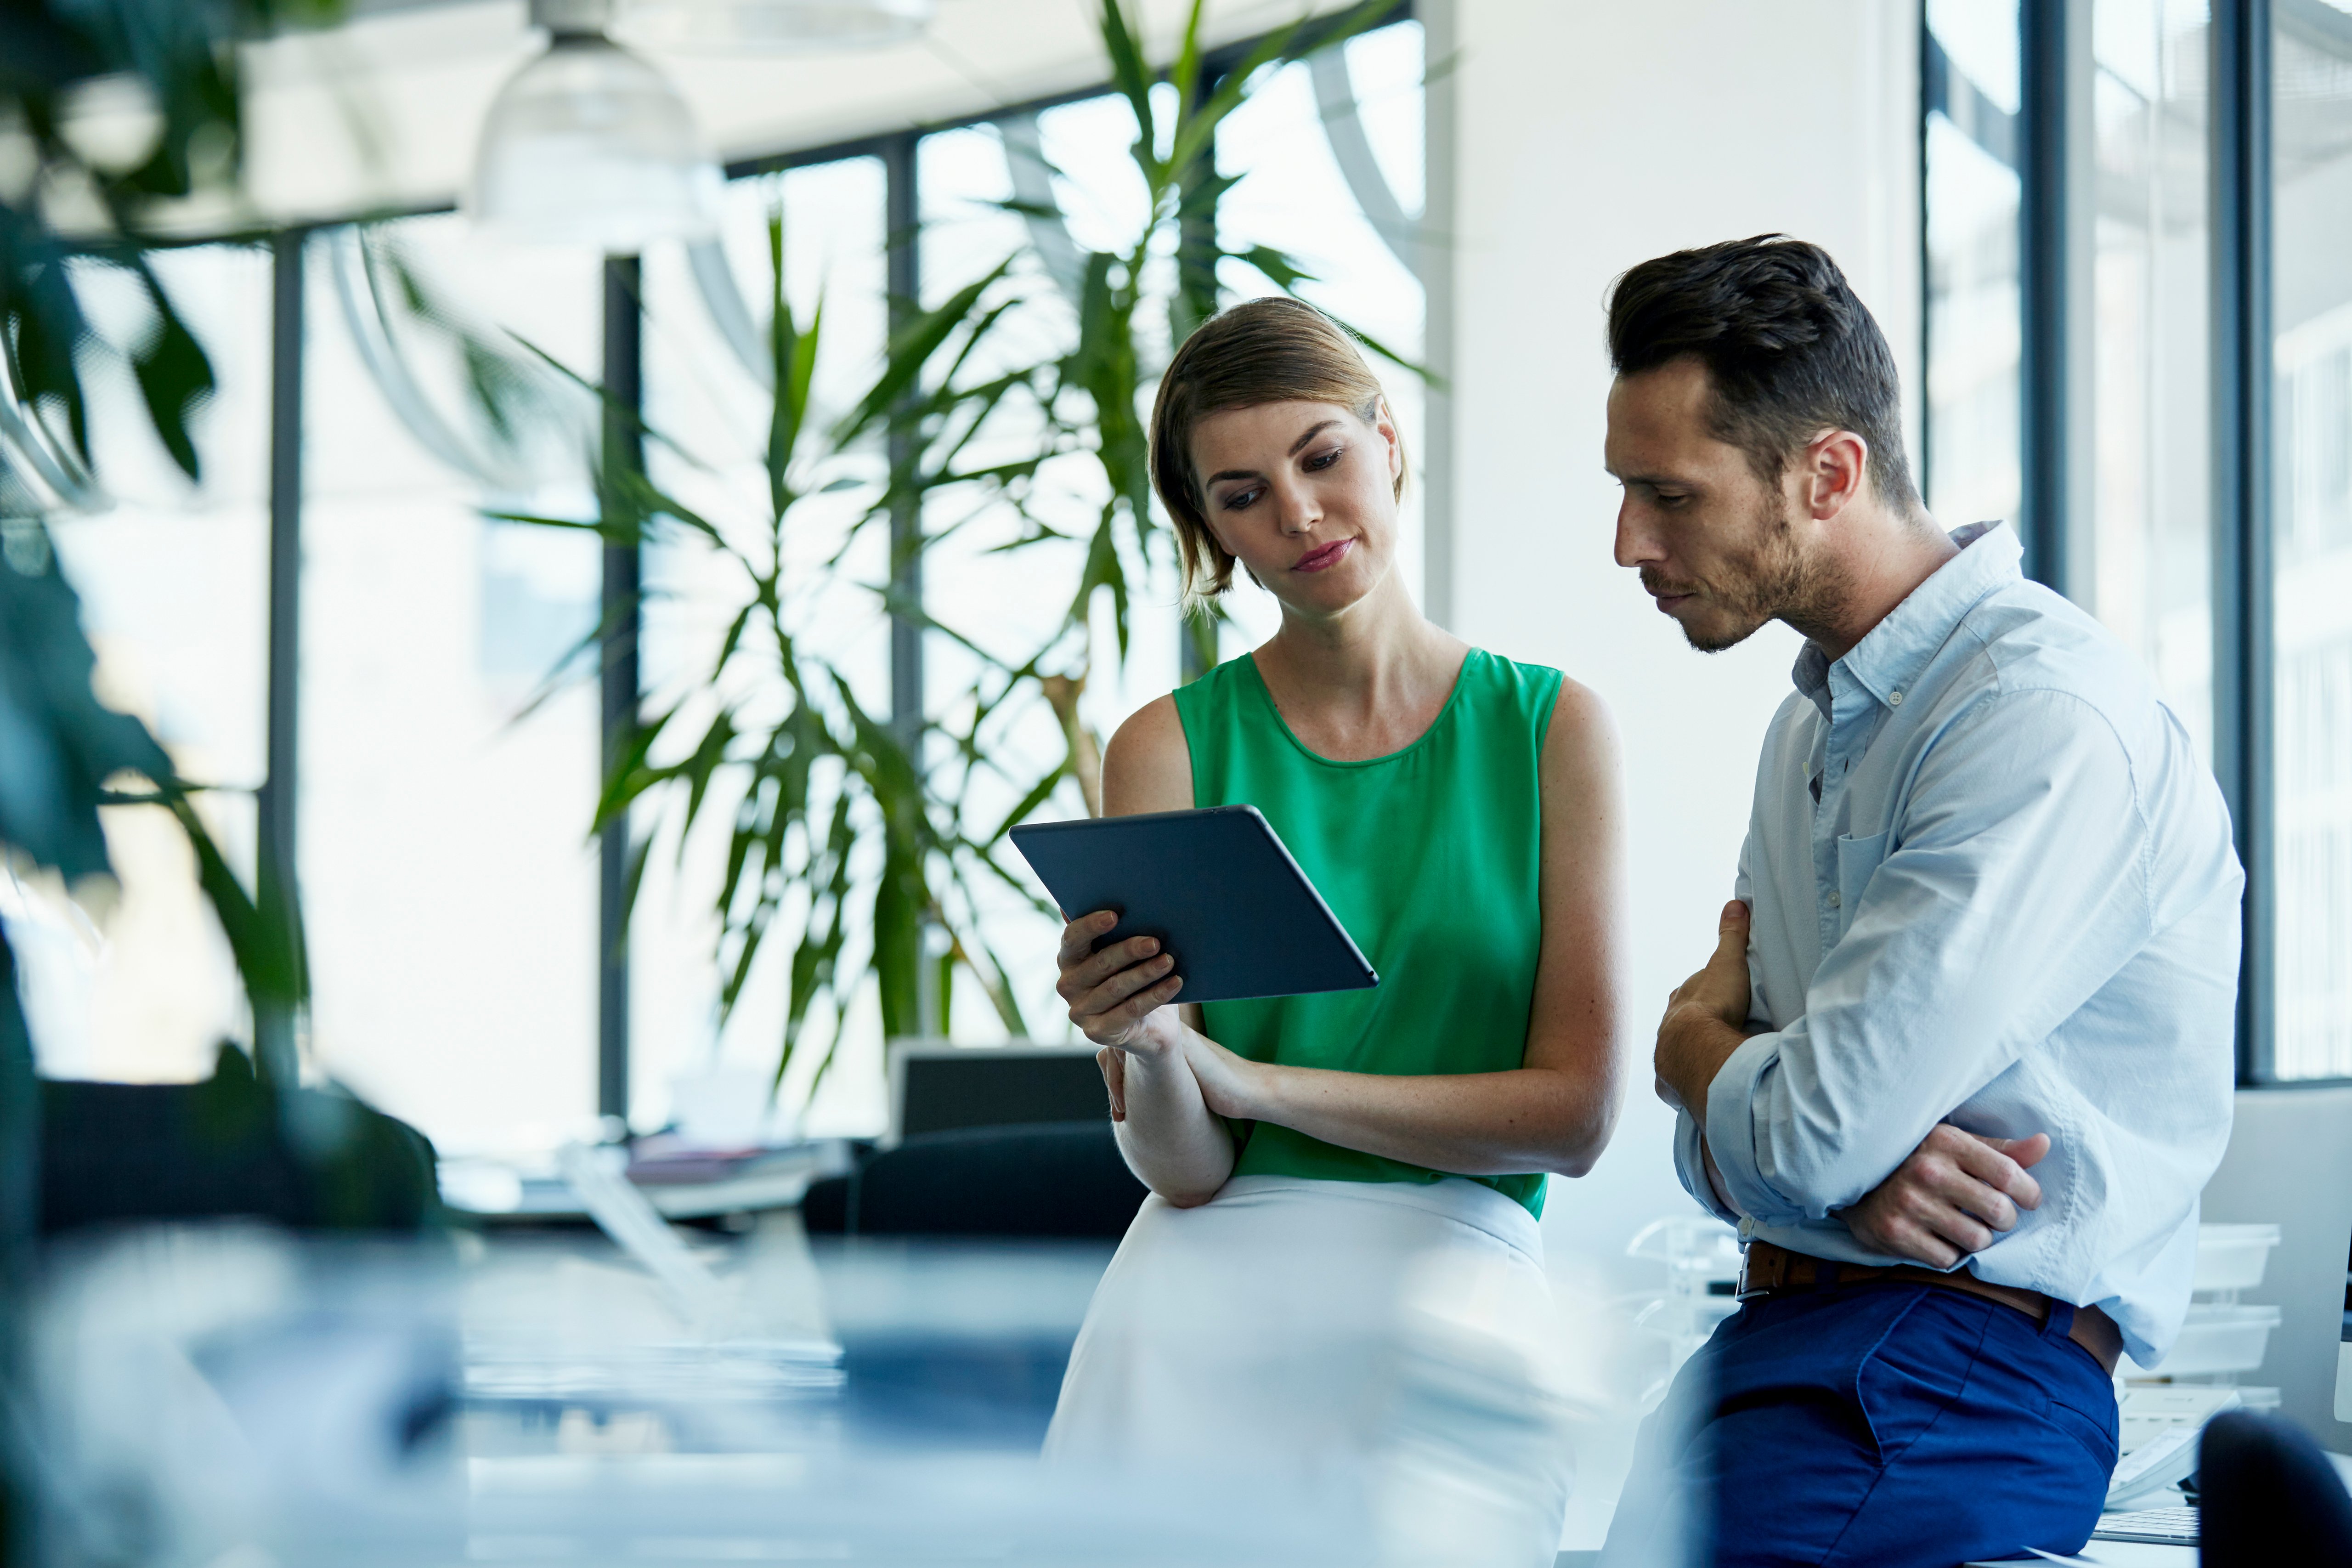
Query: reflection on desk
x=245 y=1394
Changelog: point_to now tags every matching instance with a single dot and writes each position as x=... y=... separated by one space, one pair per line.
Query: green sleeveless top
x=1430 y=857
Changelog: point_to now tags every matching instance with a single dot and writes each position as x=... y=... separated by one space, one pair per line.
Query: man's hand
x=1947 y=1199
x=1707 y=1018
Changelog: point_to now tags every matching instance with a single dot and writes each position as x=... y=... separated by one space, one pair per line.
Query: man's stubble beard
x=1774 y=583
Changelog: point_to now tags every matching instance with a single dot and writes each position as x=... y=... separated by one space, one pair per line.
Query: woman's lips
x=1324 y=559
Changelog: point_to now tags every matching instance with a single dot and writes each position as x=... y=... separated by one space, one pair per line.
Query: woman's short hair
x=1276 y=350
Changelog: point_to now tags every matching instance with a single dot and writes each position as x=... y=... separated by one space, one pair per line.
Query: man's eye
x=1670 y=499
x=1322 y=460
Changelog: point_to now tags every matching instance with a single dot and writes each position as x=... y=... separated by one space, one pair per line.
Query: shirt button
x=1834 y=898
x=1894 y=700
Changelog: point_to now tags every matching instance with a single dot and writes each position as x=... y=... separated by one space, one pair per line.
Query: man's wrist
x=1692 y=1046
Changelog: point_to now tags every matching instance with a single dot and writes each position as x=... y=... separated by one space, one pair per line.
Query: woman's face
x=1303 y=494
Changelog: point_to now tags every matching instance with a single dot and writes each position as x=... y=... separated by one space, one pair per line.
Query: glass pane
x=2312 y=146
x=1012 y=603
x=711 y=413
x=174 y=579
x=1973 y=303
x=447 y=875
x=1294 y=197
x=2149 y=571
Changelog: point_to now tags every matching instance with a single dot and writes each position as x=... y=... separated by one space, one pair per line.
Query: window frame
x=623 y=693
x=2053 y=46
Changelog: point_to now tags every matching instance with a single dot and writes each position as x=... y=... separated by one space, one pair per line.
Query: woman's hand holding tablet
x=1217 y=886
x=1117 y=995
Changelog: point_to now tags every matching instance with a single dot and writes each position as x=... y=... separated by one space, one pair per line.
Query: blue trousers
x=1878 y=1426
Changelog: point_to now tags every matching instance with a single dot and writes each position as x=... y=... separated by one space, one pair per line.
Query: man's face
x=1714 y=544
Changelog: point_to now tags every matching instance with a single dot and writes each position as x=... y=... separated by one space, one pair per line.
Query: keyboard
x=2160 y=1526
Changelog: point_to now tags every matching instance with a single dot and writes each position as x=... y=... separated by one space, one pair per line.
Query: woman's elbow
x=1578 y=1152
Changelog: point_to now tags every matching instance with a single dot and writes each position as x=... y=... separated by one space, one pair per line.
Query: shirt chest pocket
x=1857 y=858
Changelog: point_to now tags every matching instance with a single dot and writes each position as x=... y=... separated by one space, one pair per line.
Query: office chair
x=1053 y=1180
x=2268 y=1497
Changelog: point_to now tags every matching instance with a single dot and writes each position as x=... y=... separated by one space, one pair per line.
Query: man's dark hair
x=1789 y=349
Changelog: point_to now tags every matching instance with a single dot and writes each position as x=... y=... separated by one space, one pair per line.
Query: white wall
x=1588 y=137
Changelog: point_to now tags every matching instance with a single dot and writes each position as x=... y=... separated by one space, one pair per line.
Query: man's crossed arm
x=1945 y=1202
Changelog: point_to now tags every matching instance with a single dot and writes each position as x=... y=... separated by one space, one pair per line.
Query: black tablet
x=1216 y=887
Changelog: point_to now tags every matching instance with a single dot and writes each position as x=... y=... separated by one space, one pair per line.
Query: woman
x=1315 y=1160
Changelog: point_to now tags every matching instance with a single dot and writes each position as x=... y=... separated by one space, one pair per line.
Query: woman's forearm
x=1172 y=1140
x=1475 y=1124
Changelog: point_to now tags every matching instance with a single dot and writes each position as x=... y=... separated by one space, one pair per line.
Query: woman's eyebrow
x=1296 y=447
x=1312 y=431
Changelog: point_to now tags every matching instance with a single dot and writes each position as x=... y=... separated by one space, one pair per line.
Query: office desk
x=2125 y=1554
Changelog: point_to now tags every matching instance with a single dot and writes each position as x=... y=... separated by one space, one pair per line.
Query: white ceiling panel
x=383 y=111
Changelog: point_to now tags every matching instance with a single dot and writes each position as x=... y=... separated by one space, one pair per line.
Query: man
x=1987 y=919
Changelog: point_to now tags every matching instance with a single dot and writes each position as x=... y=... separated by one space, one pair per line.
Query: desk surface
x=2123 y=1554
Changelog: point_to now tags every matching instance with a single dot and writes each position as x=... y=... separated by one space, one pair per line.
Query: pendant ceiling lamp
x=590 y=145
x=780 y=25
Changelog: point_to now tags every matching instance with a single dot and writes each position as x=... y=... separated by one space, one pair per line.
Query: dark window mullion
x=623 y=452
x=2243 y=698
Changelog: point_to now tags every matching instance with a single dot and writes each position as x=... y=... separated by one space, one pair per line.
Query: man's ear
x=1832 y=473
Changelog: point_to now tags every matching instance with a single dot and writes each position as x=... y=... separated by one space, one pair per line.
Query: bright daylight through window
x=449 y=715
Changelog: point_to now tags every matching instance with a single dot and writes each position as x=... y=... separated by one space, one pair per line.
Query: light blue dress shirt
x=1991 y=884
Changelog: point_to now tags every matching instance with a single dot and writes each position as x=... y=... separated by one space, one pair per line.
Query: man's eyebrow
x=1312 y=431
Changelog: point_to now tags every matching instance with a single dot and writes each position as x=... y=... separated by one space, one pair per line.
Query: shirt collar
x=1889 y=659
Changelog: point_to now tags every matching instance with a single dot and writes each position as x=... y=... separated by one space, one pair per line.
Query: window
x=175 y=581
x=448 y=768
x=2219 y=539
x=1970 y=152
x=2148 y=569
x=2311 y=310
x=449 y=880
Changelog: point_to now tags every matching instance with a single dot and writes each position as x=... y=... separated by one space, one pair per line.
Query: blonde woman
x=1326 y=1171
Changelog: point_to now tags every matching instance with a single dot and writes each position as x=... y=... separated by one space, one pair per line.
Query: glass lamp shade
x=590 y=145
x=780 y=25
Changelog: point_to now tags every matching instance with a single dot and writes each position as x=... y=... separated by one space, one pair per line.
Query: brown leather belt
x=1771 y=1269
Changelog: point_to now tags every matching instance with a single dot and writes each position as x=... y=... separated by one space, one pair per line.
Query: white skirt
x=1393 y=1339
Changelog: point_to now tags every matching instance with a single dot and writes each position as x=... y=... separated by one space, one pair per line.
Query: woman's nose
x=1296 y=509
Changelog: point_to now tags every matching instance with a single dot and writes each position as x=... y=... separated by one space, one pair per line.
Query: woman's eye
x=1238 y=499
x=1322 y=460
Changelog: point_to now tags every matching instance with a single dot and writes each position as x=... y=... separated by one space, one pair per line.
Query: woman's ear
x=1384 y=422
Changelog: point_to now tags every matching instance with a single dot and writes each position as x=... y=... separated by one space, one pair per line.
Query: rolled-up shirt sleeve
x=2015 y=885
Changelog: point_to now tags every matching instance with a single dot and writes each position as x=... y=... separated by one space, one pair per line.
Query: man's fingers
x=2024 y=1151
x=1732 y=931
x=1904 y=1238
x=1985 y=1159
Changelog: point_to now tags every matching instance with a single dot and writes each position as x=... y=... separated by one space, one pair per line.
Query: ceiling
x=383 y=111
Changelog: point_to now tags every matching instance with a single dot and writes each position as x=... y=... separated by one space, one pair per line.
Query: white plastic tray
x=2231 y=1256
x=2216 y=1339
